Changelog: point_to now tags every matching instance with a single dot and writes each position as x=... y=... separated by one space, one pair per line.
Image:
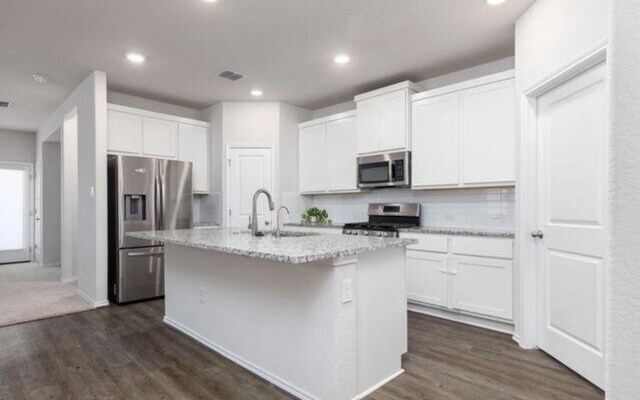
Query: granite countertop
x=432 y=230
x=205 y=225
x=333 y=225
x=498 y=233
x=293 y=250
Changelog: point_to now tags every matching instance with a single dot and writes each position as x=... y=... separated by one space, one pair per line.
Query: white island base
x=333 y=329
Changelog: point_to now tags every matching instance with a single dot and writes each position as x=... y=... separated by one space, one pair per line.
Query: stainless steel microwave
x=385 y=170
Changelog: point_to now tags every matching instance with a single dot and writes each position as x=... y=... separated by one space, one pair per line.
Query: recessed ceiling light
x=210 y=1
x=40 y=78
x=136 y=58
x=256 y=92
x=495 y=2
x=342 y=59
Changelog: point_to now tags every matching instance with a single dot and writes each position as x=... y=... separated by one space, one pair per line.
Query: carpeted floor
x=29 y=292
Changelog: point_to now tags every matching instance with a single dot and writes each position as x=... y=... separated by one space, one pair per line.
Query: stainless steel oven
x=385 y=170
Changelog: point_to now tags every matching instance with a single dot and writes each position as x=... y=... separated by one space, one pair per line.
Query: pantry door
x=572 y=143
x=15 y=233
x=248 y=169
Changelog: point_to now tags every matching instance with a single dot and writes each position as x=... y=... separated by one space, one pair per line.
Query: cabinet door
x=482 y=286
x=313 y=159
x=427 y=277
x=124 y=132
x=435 y=141
x=160 y=138
x=369 y=125
x=342 y=154
x=488 y=134
x=393 y=134
x=193 y=145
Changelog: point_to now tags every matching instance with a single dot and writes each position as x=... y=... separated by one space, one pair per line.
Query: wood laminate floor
x=128 y=353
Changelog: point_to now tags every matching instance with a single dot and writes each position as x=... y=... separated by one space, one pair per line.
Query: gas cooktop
x=385 y=220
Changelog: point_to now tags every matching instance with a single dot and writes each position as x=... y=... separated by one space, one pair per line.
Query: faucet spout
x=254 y=211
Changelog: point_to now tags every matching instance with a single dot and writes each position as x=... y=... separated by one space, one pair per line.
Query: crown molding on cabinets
x=330 y=118
x=152 y=114
x=388 y=89
x=456 y=87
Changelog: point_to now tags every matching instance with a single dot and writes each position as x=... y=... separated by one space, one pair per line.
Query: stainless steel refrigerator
x=145 y=194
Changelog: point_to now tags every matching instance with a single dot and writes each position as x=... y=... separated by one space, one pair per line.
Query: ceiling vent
x=5 y=104
x=230 y=75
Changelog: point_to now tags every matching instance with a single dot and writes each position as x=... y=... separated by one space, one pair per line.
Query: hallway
x=29 y=292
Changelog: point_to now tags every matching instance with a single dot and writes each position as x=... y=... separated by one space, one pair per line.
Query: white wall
x=477 y=71
x=552 y=33
x=290 y=117
x=51 y=204
x=152 y=105
x=17 y=146
x=90 y=101
x=253 y=123
x=623 y=335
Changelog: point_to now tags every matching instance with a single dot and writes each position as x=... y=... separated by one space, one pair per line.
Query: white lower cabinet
x=472 y=275
x=428 y=277
x=482 y=286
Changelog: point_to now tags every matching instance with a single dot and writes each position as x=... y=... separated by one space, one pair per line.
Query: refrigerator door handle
x=158 y=203
x=146 y=254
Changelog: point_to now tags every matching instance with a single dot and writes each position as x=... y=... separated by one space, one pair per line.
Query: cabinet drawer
x=483 y=247
x=435 y=243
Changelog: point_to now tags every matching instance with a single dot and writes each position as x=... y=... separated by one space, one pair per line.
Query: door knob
x=537 y=234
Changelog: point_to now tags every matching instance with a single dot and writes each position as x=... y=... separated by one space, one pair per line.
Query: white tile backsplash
x=459 y=208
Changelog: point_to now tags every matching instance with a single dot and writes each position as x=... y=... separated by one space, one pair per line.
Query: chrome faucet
x=253 y=222
x=278 y=219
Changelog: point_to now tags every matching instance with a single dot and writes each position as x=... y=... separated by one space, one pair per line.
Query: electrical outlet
x=201 y=295
x=347 y=291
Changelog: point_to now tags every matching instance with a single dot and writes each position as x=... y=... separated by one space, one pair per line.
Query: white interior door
x=14 y=213
x=572 y=215
x=248 y=169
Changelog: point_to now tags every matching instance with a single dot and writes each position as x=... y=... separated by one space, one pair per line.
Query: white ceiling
x=284 y=47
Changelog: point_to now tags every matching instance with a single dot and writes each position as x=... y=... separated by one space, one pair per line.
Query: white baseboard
x=282 y=384
x=69 y=280
x=379 y=385
x=92 y=302
x=468 y=319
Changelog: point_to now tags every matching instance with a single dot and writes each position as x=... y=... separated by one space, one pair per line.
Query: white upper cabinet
x=488 y=133
x=124 y=132
x=193 y=145
x=327 y=154
x=313 y=159
x=341 y=154
x=159 y=137
x=463 y=135
x=436 y=141
x=149 y=134
x=384 y=119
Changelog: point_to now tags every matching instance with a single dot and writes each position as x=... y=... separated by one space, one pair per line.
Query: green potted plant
x=315 y=216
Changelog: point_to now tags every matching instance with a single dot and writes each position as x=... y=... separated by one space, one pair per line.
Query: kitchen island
x=320 y=316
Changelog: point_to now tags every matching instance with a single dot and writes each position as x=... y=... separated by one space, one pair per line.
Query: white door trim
x=225 y=195
x=31 y=203
x=526 y=250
